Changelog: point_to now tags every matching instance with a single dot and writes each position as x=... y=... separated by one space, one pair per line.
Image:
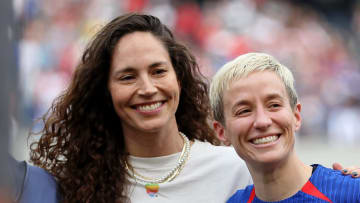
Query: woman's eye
x=159 y=71
x=242 y=112
x=127 y=77
x=274 y=105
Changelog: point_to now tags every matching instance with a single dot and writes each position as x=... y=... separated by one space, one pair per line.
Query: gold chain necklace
x=169 y=176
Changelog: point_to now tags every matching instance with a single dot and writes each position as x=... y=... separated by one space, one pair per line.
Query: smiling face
x=259 y=121
x=142 y=83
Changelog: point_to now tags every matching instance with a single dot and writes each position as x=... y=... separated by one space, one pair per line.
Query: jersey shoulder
x=39 y=186
x=336 y=186
x=242 y=195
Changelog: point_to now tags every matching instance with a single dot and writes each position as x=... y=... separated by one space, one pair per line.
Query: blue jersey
x=32 y=184
x=325 y=185
x=39 y=187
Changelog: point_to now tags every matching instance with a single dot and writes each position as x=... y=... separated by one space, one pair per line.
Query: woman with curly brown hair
x=133 y=124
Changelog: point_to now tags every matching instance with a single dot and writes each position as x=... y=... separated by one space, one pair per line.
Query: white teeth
x=150 y=107
x=265 y=140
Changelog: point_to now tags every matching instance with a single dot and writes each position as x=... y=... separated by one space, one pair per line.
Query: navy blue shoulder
x=335 y=185
x=331 y=174
x=241 y=195
x=39 y=186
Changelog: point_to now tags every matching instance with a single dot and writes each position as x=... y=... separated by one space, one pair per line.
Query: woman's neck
x=161 y=142
x=282 y=181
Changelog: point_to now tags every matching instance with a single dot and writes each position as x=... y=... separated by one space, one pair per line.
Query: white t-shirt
x=211 y=174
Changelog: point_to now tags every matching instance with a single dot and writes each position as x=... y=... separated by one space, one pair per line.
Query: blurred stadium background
x=319 y=40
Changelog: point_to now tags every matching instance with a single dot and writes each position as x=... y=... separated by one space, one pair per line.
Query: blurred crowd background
x=318 y=39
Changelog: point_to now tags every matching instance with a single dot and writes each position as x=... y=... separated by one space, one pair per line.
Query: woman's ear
x=297 y=115
x=220 y=133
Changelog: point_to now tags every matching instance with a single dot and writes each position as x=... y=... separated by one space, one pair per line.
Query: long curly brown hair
x=82 y=143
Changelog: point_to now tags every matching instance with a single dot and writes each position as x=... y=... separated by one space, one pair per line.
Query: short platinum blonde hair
x=241 y=67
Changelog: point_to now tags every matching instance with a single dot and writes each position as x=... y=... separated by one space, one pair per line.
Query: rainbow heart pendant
x=152 y=189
